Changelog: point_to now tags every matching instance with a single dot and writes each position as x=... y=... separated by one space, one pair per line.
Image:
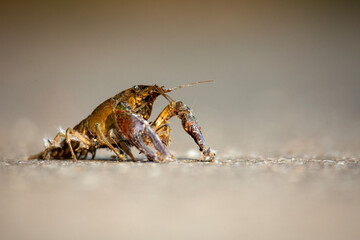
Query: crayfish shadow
x=138 y=160
x=187 y=159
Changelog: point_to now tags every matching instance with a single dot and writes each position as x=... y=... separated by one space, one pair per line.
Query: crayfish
x=121 y=122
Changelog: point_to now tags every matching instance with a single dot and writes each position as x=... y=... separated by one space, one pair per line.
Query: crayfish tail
x=35 y=156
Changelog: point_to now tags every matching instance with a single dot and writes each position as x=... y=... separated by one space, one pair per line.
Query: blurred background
x=286 y=72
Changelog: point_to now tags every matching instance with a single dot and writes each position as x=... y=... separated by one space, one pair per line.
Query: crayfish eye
x=136 y=87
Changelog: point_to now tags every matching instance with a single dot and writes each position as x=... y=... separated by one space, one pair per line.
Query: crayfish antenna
x=186 y=85
x=163 y=91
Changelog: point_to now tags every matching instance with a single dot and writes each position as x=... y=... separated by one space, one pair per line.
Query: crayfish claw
x=191 y=126
x=208 y=155
x=139 y=133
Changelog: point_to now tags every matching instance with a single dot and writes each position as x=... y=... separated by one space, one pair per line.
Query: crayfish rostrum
x=121 y=122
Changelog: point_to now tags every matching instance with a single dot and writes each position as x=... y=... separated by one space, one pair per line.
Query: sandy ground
x=236 y=197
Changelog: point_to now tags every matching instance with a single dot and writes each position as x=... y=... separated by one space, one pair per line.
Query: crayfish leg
x=50 y=149
x=118 y=140
x=103 y=139
x=70 y=134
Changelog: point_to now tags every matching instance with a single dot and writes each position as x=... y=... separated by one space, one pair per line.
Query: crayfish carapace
x=121 y=122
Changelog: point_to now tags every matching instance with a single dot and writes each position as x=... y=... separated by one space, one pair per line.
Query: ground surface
x=238 y=197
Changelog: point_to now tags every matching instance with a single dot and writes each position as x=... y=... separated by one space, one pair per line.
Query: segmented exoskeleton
x=121 y=122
